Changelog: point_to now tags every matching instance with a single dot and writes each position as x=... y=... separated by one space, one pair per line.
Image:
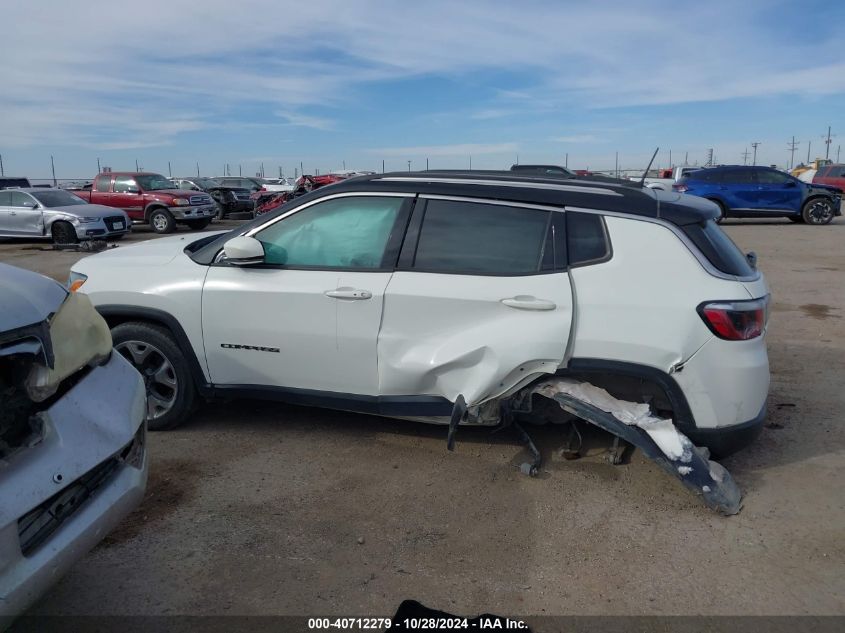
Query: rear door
x=24 y=215
x=127 y=196
x=778 y=191
x=738 y=187
x=480 y=301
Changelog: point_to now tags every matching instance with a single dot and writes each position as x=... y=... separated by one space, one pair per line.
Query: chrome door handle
x=527 y=302
x=349 y=293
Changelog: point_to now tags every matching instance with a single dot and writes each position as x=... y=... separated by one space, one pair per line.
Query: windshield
x=56 y=198
x=206 y=183
x=154 y=182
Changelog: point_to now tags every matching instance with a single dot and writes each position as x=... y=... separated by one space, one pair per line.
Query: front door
x=778 y=191
x=308 y=317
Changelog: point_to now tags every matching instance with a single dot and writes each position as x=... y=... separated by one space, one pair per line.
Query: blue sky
x=360 y=82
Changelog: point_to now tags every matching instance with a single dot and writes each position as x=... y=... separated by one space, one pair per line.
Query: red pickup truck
x=151 y=199
x=831 y=175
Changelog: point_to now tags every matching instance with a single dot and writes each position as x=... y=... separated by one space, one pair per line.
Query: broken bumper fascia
x=97 y=420
x=727 y=440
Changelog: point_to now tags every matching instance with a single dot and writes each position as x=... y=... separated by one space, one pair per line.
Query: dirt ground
x=257 y=508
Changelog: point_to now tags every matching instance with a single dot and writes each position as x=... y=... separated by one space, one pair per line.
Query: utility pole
x=280 y=171
x=745 y=156
x=409 y=166
x=566 y=161
x=686 y=158
x=426 y=163
x=301 y=168
x=754 y=145
x=198 y=169
x=382 y=165
x=136 y=165
x=670 y=159
x=827 y=142
x=709 y=162
x=262 y=169
x=53 y=167
x=616 y=168
x=169 y=171
x=837 y=156
x=792 y=147
x=344 y=165
x=98 y=165
x=2 y=173
x=809 y=145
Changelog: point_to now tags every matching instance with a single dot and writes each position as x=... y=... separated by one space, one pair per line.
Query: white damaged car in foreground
x=463 y=299
x=72 y=453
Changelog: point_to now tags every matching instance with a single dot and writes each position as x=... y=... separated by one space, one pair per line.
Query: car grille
x=110 y=221
x=198 y=200
x=37 y=525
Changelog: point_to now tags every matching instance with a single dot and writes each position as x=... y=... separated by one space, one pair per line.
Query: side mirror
x=31 y=205
x=789 y=183
x=243 y=251
x=133 y=189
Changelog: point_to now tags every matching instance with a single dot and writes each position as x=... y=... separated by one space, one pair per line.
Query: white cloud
x=461 y=149
x=579 y=138
x=119 y=74
x=303 y=120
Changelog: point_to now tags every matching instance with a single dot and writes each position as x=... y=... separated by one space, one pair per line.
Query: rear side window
x=586 y=237
x=718 y=248
x=738 y=176
x=102 y=183
x=487 y=239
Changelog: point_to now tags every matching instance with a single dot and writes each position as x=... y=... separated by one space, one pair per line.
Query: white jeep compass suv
x=452 y=296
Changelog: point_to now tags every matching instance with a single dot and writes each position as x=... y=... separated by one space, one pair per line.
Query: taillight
x=263 y=189
x=680 y=187
x=736 y=320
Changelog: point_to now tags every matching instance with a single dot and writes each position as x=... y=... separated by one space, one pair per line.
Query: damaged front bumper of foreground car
x=72 y=435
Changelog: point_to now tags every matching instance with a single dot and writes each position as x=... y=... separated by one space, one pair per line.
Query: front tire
x=63 y=233
x=161 y=221
x=167 y=377
x=197 y=225
x=817 y=211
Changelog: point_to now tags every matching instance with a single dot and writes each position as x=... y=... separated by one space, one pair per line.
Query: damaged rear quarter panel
x=448 y=334
x=640 y=306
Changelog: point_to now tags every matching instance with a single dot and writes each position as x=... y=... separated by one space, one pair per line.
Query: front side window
x=771 y=177
x=474 y=237
x=124 y=184
x=102 y=183
x=151 y=182
x=21 y=200
x=344 y=233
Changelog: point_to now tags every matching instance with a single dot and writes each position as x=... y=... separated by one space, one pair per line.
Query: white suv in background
x=449 y=297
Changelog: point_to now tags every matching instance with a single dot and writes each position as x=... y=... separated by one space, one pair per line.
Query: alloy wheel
x=157 y=371
x=820 y=212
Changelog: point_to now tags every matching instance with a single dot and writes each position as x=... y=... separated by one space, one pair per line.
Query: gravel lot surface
x=257 y=508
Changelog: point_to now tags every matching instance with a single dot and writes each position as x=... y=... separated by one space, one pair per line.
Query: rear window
x=469 y=237
x=14 y=182
x=718 y=248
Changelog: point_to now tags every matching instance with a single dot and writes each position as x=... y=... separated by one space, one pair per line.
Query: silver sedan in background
x=58 y=215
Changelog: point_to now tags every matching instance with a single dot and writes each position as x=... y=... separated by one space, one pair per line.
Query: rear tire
x=167 y=377
x=196 y=225
x=161 y=221
x=817 y=211
x=63 y=233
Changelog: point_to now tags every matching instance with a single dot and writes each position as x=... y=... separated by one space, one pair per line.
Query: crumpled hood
x=28 y=298
x=156 y=252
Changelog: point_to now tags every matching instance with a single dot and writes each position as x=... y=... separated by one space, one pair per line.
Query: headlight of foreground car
x=86 y=220
x=79 y=337
x=75 y=281
x=181 y=202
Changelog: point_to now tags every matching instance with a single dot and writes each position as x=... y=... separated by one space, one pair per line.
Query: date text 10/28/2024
x=480 y=623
